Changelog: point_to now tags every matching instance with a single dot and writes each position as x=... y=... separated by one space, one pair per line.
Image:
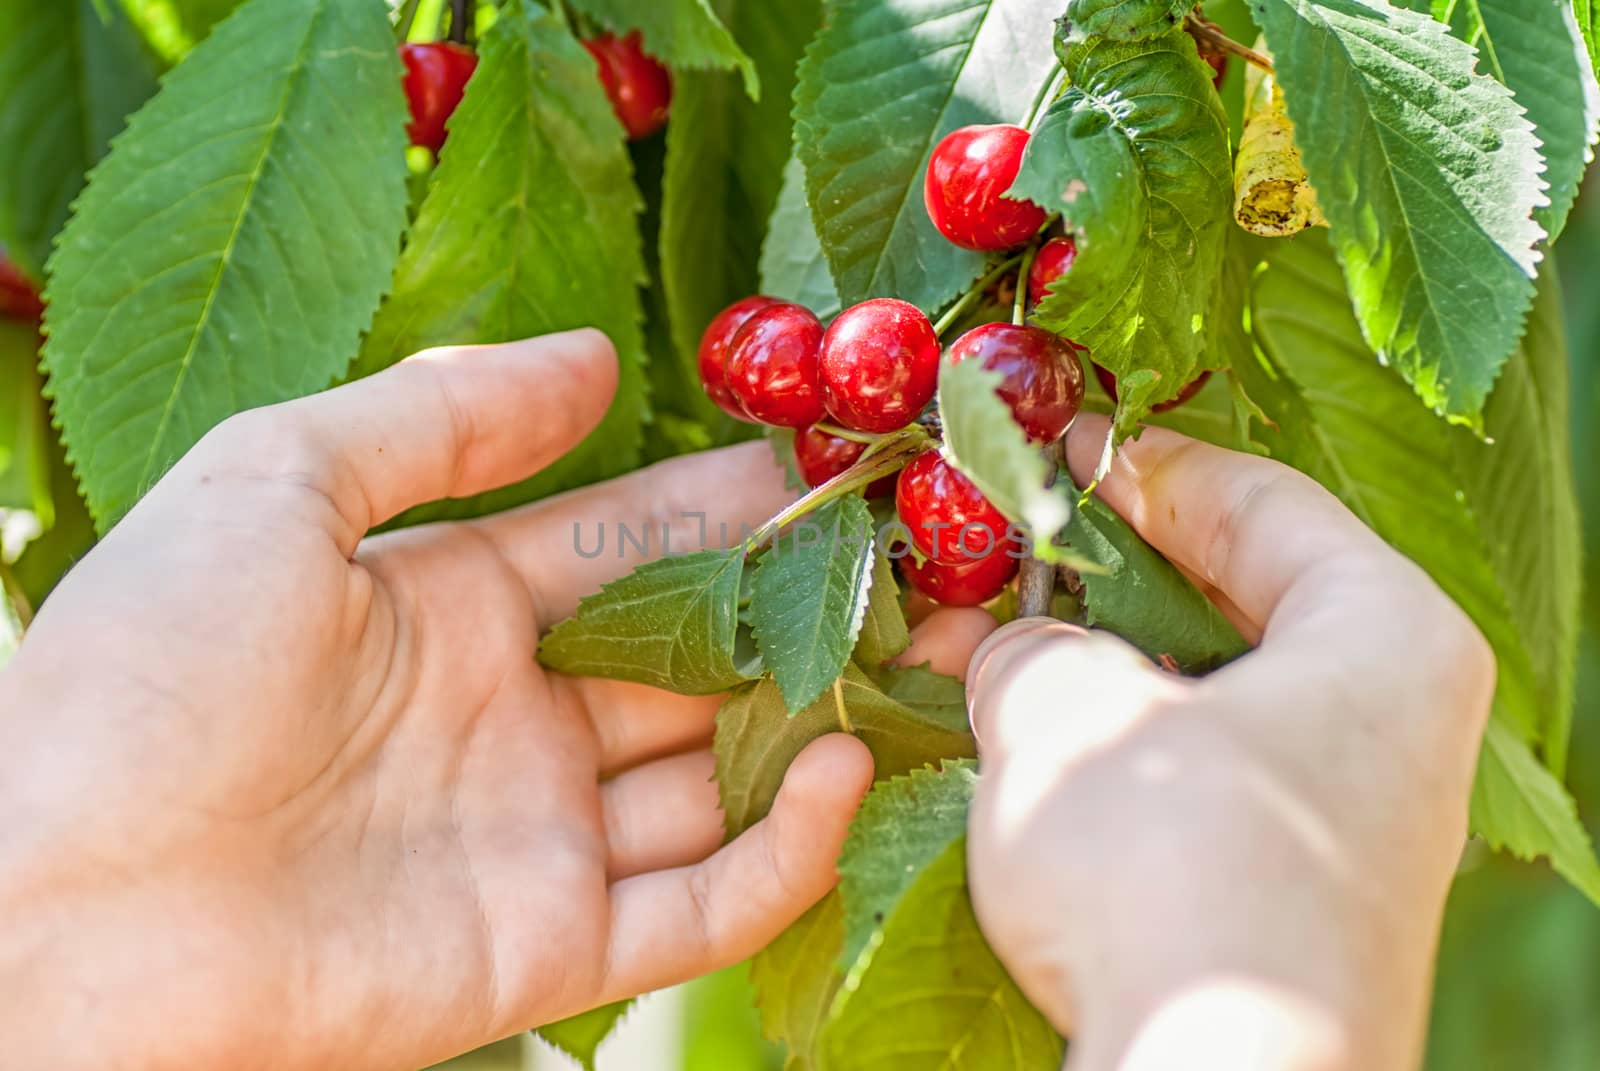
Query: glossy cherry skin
x=713 y=352
x=1050 y=264
x=965 y=187
x=1043 y=378
x=436 y=78
x=18 y=299
x=821 y=456
x=949 y=518
x=971 y=583
x=772 y=366
x=1108 y=383
x=639 y=87
x=879 y=365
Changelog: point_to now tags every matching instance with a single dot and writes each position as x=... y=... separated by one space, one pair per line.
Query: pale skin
x=287 y=795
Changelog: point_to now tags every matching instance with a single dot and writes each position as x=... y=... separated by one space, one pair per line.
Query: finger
x=1247 y=526
x=1054 y=691
x=634 y=723
x=662 y=814
x=443 y=424
x=946 y=640
x=568 y=546
x=1236 y=617
x=677 y=924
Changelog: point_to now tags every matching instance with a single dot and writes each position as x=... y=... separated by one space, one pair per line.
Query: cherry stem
x=1212 y=34
x=965 y=301
x=1019 y=308
x=888 y=455
x=1036 y=586
x=459 y=21
x=408 y=18
x=846 y=433
x=1047 y=93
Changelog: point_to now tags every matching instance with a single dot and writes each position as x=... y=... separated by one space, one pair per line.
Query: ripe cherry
x=820 y=456
x=772 y=366
x=1043 y=380
x=971 y=583
x=967 y=178
x=1050 y=264
x=714 y=351
x=18 y=299
x=436 y=78
x=879 y=365
x=949 y=518
x=640 y=88
x=1108 y=383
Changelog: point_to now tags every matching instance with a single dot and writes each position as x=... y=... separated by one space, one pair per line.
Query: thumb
x=446 y=423
x=1056 y=691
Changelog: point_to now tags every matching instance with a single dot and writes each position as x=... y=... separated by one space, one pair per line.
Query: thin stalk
x=1212 y=34
x=838 y=703
x=1037 y=585
x=408 y=18
x=1019 y=308
x=460 y=20
x=1047 y=92
x=888 y=456
x=847 y=433
x=965 y=301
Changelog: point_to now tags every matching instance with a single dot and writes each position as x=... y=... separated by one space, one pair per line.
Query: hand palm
x=413 y=838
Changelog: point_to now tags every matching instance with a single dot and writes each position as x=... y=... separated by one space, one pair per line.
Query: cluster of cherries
x=639 y=87
x=875 y=369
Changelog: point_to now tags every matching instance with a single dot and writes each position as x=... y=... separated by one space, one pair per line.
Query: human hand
x=1245 y=871
x=286 y=796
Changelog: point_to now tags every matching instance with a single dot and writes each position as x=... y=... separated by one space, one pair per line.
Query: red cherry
x=879 y=365
x=1050 y=264
x=772 y=366
x=1043 y=379
x=949 y=518
x=640 y=88
x=436 y=78
x=1108 y=383
x=821 y=456
x=971 y=583
x=714 y=351
x=18 y=299
x=968 y=176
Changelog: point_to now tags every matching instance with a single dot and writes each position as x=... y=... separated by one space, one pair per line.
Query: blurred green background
x=1519 y=969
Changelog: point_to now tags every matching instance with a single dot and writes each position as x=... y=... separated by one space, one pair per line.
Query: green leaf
x=1518 y=806
x=71 y=72
x=1588 y=15
x=1534 y=48
x=934 y=696
x=882 y=83
x=792 y=265
x=24 y=426
x=1123 y=20
x=1135 y=157
x=1143 y=598
x=1457 y=505
x=883 y=630
x=529 y=228
x=230 y=250
x=725 y=157
x=756 y=739
x=982 y=439
x=904 y=824
x=811 y=598
x=920 y=1000
x=1428 y=174
x=795 y=979
x=671 y=623
x=579 y=1036
x=685 y=34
